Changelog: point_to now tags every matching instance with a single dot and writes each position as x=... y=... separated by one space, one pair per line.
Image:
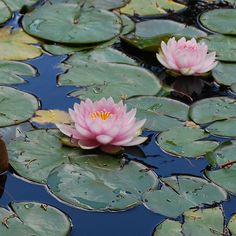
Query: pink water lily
x=186 y=57
x=104 y=124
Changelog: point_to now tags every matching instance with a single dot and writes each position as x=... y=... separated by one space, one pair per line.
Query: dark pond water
x=135 y=222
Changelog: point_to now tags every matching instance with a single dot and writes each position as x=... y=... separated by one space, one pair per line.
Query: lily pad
x=15 y=5
x=224 y=73
x=11 y=72
x=31 y=218
x=233 y=87
x=151 y=7
x=186 y=142
x=15 y=106
x=5 y=13
x=161 y=113
x=38 y=153
x=225 y=46
x=149 y=34
x=17 y=45
x=100 y=55
x=168 y=227
x=225 y=128
x=127 y=24
x=220 y=20
x=101 y=183
x=232 y=225
x=213 y=109
x=98 y=80
x=69 y=23
x=180 y=193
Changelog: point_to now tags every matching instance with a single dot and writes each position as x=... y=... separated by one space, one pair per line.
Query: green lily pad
x=223 y=154
x=220 y=20
x=15 y=106
x=17 y=45
x=225 y=46
x=149 y=34
x=11 y=72
x=161 y=113
x=225 y=128
x=213 y=109
x=98 y=80
x=186 y=142
x=5 y=13
x=233 y=87
x=68 y=23
x=207 y=222
x=101 y=183
x=180 y=193
x=38 y=153
x=224 y=73
x=168 y=227
x=151 y=7
x=100 y=55
x=31 y=218
x=15 y=5
x=127 y=24
x=232 y=225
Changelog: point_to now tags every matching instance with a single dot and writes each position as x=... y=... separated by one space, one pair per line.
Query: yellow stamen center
x=103 y=115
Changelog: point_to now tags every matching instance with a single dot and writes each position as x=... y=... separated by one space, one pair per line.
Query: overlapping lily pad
x=5 y=13
x=38 y=153
x=31 y=218
x=161 y=113
x=213 y=109
x=180 y=193
x=11 y=72
x=220 y=20
x=15 y=106
x=151 y=7
x=186 y=142
x=69 y=23
x=149 y=34
x=207 y=222
x=223 y=157
x=15 y=5
x=225 y=46
x=17 y=45
x=105 y=73
x=101 y=183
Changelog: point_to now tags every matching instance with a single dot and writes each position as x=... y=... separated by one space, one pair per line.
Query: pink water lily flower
x=186 y=57
x=104 y=124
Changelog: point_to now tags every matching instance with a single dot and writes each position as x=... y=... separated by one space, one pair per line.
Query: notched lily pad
x=11 y=72
x=161 y=113
x=186 y=142
x=31 y=218
x=17 y=45
x=38 y=153
x=70 y=23
x=180 y=193
x=101 y=183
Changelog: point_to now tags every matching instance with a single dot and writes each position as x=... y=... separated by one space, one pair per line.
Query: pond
x=180 y=181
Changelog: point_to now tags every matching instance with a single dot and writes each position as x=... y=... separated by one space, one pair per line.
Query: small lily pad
x=15 y=106
x=180 y=193
x=233 y=87
x=161 y=113
x=224 y=46
x=151 y=7
x=220 y=20
x=101 y=183
x=5 y=13
x=69 y=23
x=31 y=218
x=224 y=73
x=38 y=153
x=213 y=109
x=149 y=34
x=17 y=45
x=11 y=72
x=186 y=142
x=232 y=225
